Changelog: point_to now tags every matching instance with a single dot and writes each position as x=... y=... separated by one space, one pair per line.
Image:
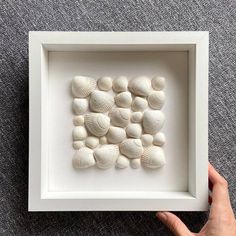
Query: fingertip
x=161 y=216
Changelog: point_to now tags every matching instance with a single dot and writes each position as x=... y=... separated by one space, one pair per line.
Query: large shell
x=131 y=148
x=78 y=144
x=101 y=101
x=82 y=86
x=78 y=120
x=92 y=142
x=135 y=163
x=83 y=158
x=156 y=99
x=97 y=124
x=158 y=83
x=136 y=117
x=134 y=130
x=153 y=121
x=153 y=157
x=146 y=139
x=79 y=133
x=120 y=84
x=106 y=156
x=159 y=139
x=139 y=104
x=80 y=106
x=123 y=99
x=140 y=86
x=120 y=117
x=105 y=83
x=115 y=135
x=122 y=162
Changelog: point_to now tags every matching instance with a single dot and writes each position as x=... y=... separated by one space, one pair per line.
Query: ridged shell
x=105 y=83
x=122 y=162
x=82 y=86
x=134 y=130
x=83 y=158
x=140 y=86
x=92 y=142
x=139 y=104
x=120 y=84
x=123 y=99
x=153 y=157
x=100 y=101
x=115 y=135
x=79 y=133
x=147 y=139
x=159 y=139
x=153 y=121
x=80 y=106
x=135 y=163
x=136 y=117
x=103 y=140
x=156 y=100
x=97 y=124
x=120 y=117
x=158 y=83
x=106 y=156
x=131 y=148
x=78 y=144
x=78 y=120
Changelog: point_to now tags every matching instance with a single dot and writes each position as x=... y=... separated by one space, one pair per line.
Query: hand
x=221 y=220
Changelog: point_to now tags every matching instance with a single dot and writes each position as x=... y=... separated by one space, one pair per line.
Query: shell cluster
x=117 y=122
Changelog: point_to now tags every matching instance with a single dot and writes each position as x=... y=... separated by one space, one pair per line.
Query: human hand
x=221 y=221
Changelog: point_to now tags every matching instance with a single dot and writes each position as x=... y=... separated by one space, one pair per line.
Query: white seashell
x=120 y=117
x=105 y=83
x=123 y=99
x=83 y=158
x=78 y=144
x=120 y=84
x=78 y=120
x=115 y=135
x=153 y=157
x=159 y=139
x=146 y=139
x=134 y=130
x=82 y=86
x=80 y=106
x=92 y=142
x=122 y=162
x=135 y=163
x=139 y=104
x=103 y=140
x=100 y=101
x=158 y=83
x=106 y=156
x=153 y=121
x=131 y=148
x=79 y=133
x=97 y=123
x=136 y=117
x=140 y=86
x=156 y=99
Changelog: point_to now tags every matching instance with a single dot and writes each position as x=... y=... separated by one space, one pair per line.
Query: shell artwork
x=117 y=122
x=82 y=86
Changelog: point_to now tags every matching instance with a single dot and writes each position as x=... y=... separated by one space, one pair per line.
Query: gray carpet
x=18 y=17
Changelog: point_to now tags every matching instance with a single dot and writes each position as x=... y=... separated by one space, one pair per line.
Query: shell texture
x=158 y=83
x=83 y=158
x=92 y=142
x=78 y=144
x=120 y=84
x=123 y=99
x=135 y=163
x=105 y=83
x=140 y=86
x=115 y=135
x=80 y=106
x=122 y=162
x=136 y=117
x=103 y=140
x=131 y=148
x=134 y=130
x=156 y=100
x=147 y=139
x=79 y=133
x=159 y=139
x=139 y=104
x=120 y=117
x=78 y=120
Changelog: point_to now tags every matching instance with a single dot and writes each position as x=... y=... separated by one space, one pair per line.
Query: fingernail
x=162 y=215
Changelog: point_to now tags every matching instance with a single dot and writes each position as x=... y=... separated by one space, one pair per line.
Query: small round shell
x=78 y=144
x=139 y=104
x=123 y=99
x=140 y=86
x=147 y=139
x=156 y=100
x=83 y=158
x=159 y=139
x=78 y=120
x=80 y=106
x=120 y=84
x=131 y=148
x=103 y=140
x=158 y=83
x=122 y=162
x=92 y=142
x=79 y=133
x=115 y=135
x=120 y=117
x=134 y=130
x=135 y=163
x=105 y=83
x=136 y=117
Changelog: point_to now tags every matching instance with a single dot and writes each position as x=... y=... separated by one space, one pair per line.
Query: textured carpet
x=18 y=17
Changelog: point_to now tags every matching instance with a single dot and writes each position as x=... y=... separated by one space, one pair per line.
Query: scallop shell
x=100 y=101
x=136 y=117
x=153 y=121
x=83 y=158
x=79 y=133
x=156 y=100
x=120 y=117
x=140 y=86
x=158 y=83
x=105 y=83
x=134 y=130
x=106 y=156
x=97 y=124
x=135 y=163
x=80 y=106
x=120 y=84
x=78 y=144
x=146 y=139
x=123 y=99
x=103 y=140
x=139 y=104
x=115 y=135
x=159 y=139
x=92 y=142
x=153 y=157
x=78 y=120
x=131 y=148
x=122 y=162
x=82 y=86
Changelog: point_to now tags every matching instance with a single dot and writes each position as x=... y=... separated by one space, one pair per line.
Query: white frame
x=196 y=43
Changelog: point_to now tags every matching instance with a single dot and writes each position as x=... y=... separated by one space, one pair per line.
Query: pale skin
x=221 y=221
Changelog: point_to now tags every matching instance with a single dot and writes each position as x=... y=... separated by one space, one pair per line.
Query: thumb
x=174 y=224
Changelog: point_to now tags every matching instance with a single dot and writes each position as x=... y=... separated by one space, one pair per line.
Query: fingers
x=173 y=223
